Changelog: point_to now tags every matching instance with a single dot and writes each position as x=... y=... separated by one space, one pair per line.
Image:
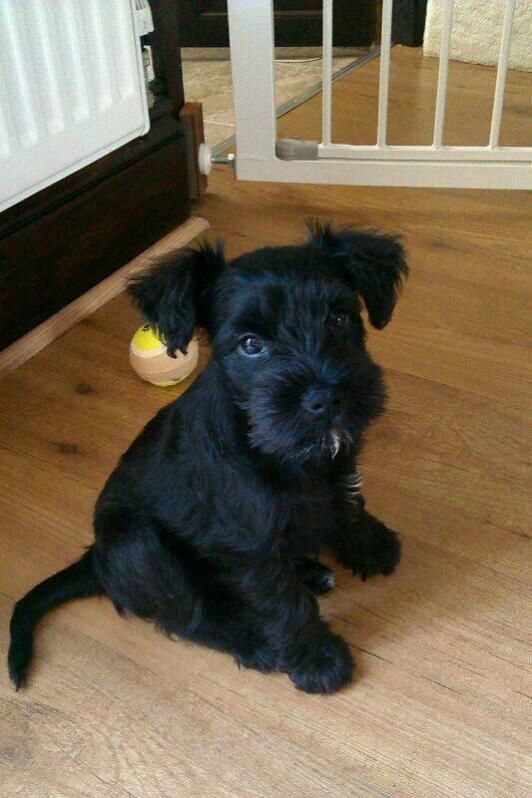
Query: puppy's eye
x=339 y=319
x=251 y=346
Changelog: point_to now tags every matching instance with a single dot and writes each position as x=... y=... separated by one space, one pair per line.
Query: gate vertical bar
x=384 y=73
x=327 y=49
x=498 y=98
x=443 y=72
x=251 y=36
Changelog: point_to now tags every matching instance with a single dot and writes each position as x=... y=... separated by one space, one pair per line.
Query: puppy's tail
x=76 y=581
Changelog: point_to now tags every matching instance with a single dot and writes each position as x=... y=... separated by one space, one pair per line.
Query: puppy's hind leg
x=220 y=620
x=148 y=572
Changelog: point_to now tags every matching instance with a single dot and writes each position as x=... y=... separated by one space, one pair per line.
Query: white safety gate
x=260 y=156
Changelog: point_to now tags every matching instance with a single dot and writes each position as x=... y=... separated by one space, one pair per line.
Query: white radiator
x=71 y=88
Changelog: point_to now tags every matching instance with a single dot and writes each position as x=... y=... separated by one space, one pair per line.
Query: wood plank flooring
x=441 y=705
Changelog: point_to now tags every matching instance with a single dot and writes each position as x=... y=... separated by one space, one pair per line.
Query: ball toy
x=151 y=361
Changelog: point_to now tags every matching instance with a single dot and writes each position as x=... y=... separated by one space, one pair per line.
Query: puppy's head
x=287 y=332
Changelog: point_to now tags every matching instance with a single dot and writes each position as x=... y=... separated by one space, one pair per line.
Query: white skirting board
x=476 y=32
x=31 y=343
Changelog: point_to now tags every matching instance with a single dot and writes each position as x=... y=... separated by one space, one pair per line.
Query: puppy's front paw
x=369 y=548
x=380 y=552
x=316 y=576
x=328 y=668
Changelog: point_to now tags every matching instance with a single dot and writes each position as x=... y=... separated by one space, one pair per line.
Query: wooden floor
x=441 y=703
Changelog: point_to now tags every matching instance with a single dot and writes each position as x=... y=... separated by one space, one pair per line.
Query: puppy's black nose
x=321 y=402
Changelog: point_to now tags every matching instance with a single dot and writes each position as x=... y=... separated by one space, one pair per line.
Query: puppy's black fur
x=208 y=521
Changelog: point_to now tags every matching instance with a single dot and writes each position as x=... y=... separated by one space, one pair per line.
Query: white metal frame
x=436 y=165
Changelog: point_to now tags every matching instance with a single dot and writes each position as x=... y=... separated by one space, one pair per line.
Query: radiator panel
x=71 y=89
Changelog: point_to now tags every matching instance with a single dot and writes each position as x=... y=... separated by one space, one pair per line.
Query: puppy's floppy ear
x=172 y=294
x=373 y=263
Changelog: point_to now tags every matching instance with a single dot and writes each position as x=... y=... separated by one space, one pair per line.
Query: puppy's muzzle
x=323 y=403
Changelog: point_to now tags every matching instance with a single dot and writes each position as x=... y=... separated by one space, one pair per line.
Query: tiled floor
x=209 y=81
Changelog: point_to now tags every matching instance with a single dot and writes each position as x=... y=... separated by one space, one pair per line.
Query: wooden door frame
x=290 y=30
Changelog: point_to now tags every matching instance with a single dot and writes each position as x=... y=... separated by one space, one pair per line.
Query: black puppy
x=206 y=524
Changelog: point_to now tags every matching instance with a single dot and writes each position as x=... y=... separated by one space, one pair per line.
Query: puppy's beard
x=328 y=445
x=336 y=442
x=336 y=438
x=323 y=447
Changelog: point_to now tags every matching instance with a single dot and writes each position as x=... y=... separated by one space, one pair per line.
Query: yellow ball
x=151 y=361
